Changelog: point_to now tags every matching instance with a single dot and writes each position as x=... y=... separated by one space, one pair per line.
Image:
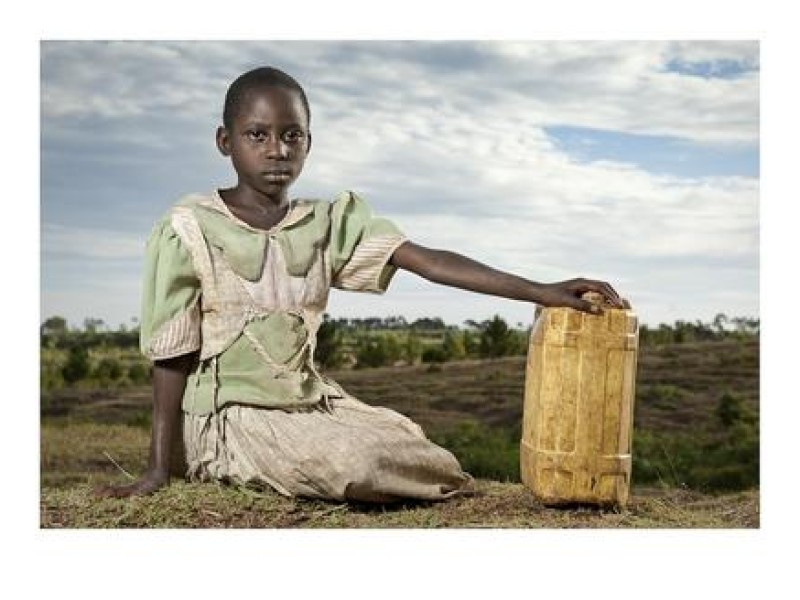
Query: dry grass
x=80 y=427
x=495 y=505
x=70 y=470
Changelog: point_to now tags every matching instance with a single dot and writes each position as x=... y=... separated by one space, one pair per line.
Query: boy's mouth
x=281 y=175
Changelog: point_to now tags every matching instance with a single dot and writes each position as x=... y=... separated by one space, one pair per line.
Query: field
x=680 y=389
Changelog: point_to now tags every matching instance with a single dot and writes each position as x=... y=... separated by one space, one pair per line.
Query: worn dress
x=256 y=409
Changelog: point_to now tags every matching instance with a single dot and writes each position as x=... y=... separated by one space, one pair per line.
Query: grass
x=495 y=505
x=472 y=407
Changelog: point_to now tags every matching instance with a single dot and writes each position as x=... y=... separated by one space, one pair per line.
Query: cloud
x=607 y=85
x=59 y=242
x=450 y=139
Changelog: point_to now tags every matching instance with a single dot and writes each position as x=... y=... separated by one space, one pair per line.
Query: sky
x=631 y=162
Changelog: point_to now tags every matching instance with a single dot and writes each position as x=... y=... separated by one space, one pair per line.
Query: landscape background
x=696 y=423
x=485 y=564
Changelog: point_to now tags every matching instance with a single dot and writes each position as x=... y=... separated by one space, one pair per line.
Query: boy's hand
x=568 y=293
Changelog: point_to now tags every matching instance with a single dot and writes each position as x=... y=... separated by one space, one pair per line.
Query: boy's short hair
x=259 y=78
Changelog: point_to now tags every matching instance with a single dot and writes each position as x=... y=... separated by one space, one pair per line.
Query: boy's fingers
x=612 y=295
x=589 y=307
x=606 y=290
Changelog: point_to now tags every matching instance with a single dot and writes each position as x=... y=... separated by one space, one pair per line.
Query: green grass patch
x=485 y=452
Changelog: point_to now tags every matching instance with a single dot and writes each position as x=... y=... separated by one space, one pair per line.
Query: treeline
x=721 y=328
x=96 y=353
x=93 y=356
x=361 y=343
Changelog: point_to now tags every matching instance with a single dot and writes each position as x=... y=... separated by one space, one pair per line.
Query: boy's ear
x=223 y=141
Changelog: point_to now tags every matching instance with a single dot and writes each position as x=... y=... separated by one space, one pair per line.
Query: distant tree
x=427 y=323
x=108 y=369
x=496 y=338
x=413 y=348
x=371 y=352
x=138 y=373
x=53 y=332
x=93 y=325
x=54 y=326
x=719 y=322
x=665 y=334
x=453 y=345
x=471 y=343
x=330 y=344
x=77 y=365
x=373 y=322
x=746 y=325
x=434 y=354
x=395 y=322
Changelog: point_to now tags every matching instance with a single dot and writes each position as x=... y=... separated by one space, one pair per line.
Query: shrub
x=108 y=369
x=434 y=355
x=329 y=351
x=486 y=452
x=138 y=373
x=699 y=459
x=77 y=366
x=453 y=346
x=496 y=338
x=371 y=352
x=731 y=410
x=50 y=379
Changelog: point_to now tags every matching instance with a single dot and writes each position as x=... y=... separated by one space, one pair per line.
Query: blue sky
x=635 y=162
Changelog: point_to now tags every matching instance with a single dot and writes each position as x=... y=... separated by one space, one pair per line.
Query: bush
x=485 y=452
x=50 y=379
x=453 y=346
x=138 y=373
x=77 y=366
x=699 y=459
x=329 y=351
x=434 y=355
x=496 y=338
x=731 y=410
x=108 y=369
x=372 y=352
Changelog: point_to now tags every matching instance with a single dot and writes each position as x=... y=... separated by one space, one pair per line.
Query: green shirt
x=263 y=355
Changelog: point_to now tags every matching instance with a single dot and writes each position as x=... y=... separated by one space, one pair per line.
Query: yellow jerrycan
x=578 y=416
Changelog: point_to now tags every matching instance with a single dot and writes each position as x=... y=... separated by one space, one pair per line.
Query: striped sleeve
x=361 y=246
x=170 y=319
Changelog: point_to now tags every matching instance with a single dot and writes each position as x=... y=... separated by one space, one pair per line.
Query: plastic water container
x=578 y=416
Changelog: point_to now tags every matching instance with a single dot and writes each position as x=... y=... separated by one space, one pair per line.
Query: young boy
x=236 y=283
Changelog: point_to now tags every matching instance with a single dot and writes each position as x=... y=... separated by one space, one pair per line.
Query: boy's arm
x=449 y=268
x=169 y=382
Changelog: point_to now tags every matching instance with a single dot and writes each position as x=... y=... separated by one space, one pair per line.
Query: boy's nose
x=276 y=148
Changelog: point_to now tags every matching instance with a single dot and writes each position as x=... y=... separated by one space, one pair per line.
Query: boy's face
x=268 y=141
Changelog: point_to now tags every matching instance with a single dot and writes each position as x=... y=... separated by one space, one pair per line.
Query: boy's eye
x=256 y=135
x=293 y=136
